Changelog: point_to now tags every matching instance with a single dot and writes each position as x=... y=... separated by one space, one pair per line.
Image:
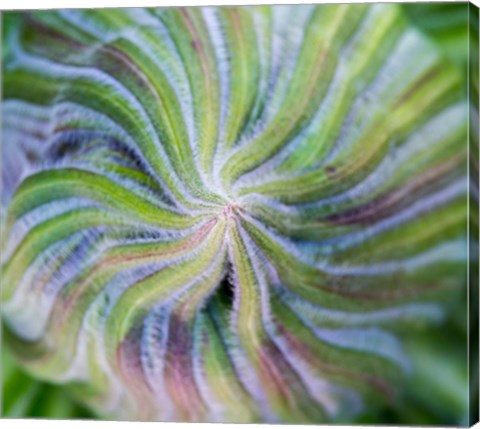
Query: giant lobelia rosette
x=228 y=214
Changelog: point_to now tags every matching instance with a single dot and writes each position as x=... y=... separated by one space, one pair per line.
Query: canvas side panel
x=474 y=212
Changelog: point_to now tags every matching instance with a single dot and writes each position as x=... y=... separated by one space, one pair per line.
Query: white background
x=51 y=4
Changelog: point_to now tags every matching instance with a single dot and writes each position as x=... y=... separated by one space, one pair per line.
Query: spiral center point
x=228 y=210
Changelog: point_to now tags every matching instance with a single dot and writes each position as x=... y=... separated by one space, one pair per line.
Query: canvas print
x=241 y=214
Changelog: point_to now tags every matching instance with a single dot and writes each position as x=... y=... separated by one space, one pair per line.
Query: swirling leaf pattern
x=228 y=214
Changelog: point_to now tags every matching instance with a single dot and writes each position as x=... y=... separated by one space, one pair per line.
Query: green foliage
x=248 y=214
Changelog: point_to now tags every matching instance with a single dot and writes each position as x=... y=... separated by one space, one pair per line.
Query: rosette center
x=229 y=210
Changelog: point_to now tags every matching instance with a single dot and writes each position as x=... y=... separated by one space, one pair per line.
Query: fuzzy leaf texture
x=229 y=214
